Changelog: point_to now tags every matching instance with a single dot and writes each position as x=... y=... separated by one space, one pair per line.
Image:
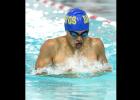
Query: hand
x=107 y=69
x=41 y=71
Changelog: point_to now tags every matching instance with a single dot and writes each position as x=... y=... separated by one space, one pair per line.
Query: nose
x=79 y=39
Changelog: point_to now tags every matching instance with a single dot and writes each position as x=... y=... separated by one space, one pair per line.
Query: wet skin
x=56 y=51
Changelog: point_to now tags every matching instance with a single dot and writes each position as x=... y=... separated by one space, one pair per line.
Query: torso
x=64 y=53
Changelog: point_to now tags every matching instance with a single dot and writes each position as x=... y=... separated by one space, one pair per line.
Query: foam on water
x=75 y=65
x=37 y=22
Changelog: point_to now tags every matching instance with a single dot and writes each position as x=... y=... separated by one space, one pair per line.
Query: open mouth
x=78 y=45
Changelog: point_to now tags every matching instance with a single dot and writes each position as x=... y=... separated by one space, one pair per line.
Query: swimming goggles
x=76 y=34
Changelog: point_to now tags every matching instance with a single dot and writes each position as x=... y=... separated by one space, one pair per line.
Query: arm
x=101 y=55
x=45 y=56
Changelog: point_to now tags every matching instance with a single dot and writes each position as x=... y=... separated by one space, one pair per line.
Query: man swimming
x=57 y=51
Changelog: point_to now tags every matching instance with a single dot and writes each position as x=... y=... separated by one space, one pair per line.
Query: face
x=77 y=38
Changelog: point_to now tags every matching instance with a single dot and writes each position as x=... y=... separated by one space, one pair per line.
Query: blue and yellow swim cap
x=76 y=20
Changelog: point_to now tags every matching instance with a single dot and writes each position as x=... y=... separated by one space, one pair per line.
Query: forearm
x=40 y=68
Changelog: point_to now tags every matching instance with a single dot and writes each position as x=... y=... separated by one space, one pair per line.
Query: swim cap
x=76 y=20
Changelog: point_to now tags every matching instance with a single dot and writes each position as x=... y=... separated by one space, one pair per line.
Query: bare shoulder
x=49 y=46
x=96 y=41
x=49 y=43
x=53 y=43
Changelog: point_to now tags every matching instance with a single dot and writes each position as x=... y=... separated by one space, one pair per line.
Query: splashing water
x=74 y=65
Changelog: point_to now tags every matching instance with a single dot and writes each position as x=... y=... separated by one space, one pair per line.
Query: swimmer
x=58 y=50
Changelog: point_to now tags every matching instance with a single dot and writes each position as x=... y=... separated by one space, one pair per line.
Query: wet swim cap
x=76 y=20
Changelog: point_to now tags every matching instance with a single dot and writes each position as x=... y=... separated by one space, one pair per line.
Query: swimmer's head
x=76 y=20
x=77 y=26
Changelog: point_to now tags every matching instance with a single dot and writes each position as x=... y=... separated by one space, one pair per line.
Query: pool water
x=42 y=23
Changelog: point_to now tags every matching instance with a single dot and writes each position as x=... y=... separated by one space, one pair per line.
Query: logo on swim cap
x=76 y=20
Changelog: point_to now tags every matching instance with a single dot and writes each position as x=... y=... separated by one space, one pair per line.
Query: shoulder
x=54 y=43
x=49 y=45
x=96 y=41
x=98 y=45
